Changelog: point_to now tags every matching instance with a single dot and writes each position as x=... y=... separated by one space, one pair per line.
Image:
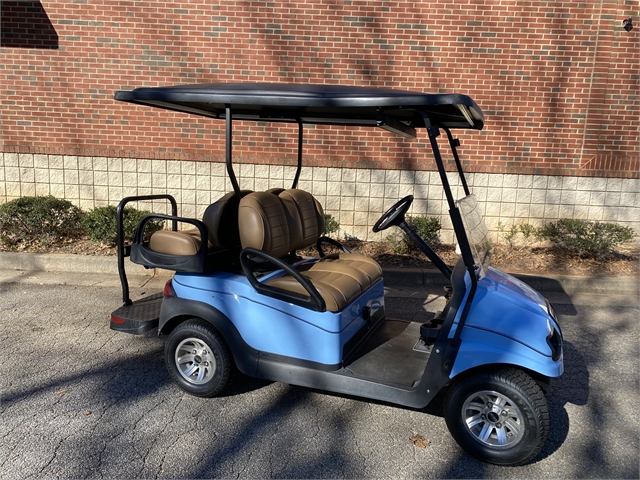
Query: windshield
x=481 y=246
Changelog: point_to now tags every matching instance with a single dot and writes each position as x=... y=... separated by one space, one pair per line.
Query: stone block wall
x=354 y=197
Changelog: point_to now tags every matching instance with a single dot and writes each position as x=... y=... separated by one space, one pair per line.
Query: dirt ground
x=539 y=260
x=624 y=262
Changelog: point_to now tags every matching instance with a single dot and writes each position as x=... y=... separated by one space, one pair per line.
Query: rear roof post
x=300 y=137
x=228 y=149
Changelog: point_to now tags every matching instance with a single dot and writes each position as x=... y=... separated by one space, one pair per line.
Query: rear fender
x=176 y=310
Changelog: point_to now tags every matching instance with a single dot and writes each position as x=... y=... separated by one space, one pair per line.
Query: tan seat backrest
x=221 y=219
x=291 y=220
x=305 y=217
x=263 y=224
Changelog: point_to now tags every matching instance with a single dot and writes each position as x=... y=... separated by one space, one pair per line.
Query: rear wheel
x=500 y=417
x=198 y=358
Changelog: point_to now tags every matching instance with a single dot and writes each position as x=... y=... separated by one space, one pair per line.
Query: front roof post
x=434 y=133
x=454 y=213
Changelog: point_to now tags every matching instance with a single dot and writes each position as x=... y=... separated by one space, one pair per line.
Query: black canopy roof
x=396 y=110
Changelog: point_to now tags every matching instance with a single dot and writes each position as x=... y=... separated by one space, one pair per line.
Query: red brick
x=574 y=73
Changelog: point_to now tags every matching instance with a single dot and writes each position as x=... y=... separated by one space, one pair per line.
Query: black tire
x=500 y=417
x=198 y=358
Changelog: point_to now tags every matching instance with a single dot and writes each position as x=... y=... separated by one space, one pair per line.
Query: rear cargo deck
x=139 y=317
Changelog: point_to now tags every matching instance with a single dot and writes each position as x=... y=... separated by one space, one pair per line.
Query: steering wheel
x=395 y=215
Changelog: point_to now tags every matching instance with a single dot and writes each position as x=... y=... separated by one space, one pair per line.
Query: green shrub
x=39 y=220
x=100 y=223
x=331 y=225
x=428 y=228
x=584 y=238
x=399 y=245
x=523 y=234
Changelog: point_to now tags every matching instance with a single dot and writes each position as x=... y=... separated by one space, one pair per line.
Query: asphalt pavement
x=79 y=400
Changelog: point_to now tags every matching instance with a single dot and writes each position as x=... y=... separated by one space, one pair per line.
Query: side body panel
x=275 y=326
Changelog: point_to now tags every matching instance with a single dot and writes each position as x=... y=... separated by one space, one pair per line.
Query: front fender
x=480 y=347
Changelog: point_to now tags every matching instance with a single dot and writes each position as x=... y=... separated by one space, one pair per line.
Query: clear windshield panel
x=481 y=245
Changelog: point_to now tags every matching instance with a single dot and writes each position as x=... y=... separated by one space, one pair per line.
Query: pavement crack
x=176 y=440
x=53 y=456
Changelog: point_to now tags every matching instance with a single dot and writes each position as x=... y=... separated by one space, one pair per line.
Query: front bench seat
x=306 y=220
x=291 y=220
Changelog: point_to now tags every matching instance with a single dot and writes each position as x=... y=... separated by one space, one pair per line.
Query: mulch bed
x=534 y=260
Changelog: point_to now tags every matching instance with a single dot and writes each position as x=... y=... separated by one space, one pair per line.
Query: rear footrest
x=139 y=317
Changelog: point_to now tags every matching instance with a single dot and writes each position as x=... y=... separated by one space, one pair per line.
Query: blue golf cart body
x=242 y=298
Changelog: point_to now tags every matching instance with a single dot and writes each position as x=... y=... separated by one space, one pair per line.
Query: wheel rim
x=195 y=361
x=493 y=419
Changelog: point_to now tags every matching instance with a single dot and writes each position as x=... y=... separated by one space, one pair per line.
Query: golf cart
x=242 y=297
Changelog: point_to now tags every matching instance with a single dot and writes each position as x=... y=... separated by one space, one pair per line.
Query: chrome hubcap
x=493 y=419
x=195 y=361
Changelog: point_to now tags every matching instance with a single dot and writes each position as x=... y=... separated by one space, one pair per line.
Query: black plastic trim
x=197 y=263
x=131 y=326
x=300 y=372
x=352 y=345
x=139 y=317
x=314 y=301
x=330 y=241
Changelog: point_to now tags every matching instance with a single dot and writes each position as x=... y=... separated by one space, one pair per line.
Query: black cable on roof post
x=228 y=148
x=300 y=136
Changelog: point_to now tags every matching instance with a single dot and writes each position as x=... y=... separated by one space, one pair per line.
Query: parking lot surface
x=81 y=401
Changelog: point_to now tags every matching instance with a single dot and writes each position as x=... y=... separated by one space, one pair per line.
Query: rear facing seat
x=220 y=218
x=281 y=222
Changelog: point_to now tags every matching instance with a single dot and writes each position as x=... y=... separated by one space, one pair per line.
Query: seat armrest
x=314 y=301
x=331 y=241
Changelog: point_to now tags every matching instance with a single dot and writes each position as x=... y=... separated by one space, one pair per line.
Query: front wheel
x=500 y=417
x=198 y=358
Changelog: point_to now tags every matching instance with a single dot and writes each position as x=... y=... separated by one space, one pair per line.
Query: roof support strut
x=454 y=142
x=300 y=136
x=228 y=148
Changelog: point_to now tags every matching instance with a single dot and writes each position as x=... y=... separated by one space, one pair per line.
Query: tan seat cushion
x=362 y=279
x=185 y=242
x=337 y=289
x=339 y=278
x=368 y=266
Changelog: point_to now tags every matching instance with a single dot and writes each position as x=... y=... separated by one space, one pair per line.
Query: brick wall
x=558 y=81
